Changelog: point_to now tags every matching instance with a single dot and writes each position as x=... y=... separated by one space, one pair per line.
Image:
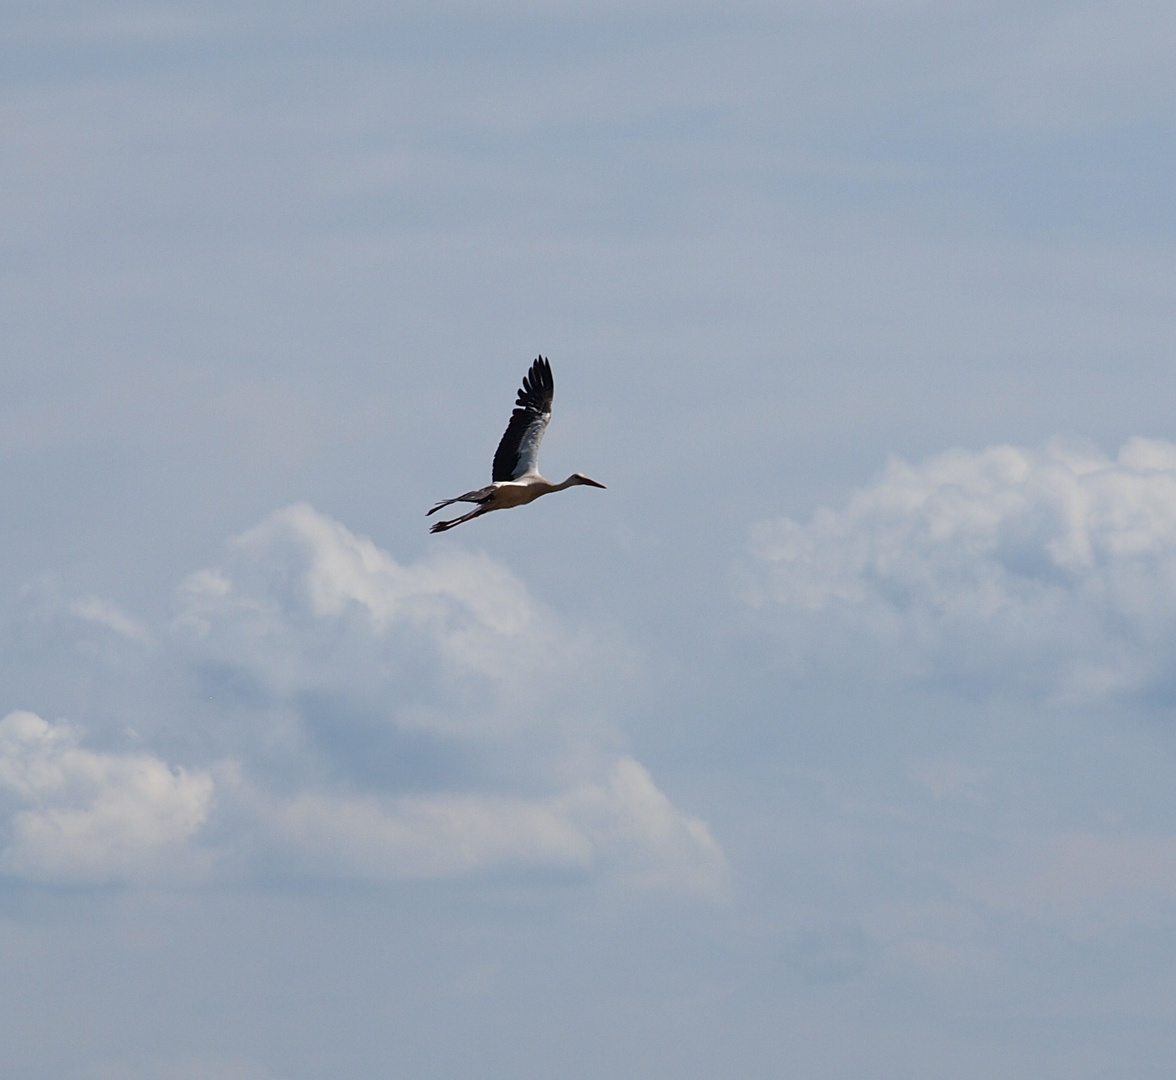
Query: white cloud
x=84 y=816
x=102 y=612
x=623 y=823
x=362 y=718
x=452 y=645
x=423 y=720
x=356 y=717
x=1051 y=571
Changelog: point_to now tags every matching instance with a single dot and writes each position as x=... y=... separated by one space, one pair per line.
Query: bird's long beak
x=585 y=480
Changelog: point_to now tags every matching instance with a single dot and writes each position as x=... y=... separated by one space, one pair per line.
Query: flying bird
x=516 y=478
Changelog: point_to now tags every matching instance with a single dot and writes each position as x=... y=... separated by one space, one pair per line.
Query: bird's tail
x=479 y=496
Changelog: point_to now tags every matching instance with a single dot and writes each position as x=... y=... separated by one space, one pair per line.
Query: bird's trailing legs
x=441 y=526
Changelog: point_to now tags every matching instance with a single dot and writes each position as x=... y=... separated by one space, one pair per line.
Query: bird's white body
x=508 y=493
x=516 y=472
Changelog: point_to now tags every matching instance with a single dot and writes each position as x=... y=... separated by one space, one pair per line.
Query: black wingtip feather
x=538 y=387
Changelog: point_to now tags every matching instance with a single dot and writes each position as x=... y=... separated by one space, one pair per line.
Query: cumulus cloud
x=358 y=717
x=452 y=645
x=418 y=721
x=1047 y=571
x=78 y=815
x=623 y=823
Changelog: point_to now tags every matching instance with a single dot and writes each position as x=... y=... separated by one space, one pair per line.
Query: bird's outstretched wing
x=518 y=452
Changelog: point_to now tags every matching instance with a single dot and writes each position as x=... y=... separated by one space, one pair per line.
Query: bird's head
x=580 y=478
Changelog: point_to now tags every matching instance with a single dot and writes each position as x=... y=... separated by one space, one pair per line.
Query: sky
x=834 y=739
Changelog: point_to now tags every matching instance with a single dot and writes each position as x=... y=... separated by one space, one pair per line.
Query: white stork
x=516 y=461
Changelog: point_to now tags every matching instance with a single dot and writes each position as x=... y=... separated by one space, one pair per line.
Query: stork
x=516 y=478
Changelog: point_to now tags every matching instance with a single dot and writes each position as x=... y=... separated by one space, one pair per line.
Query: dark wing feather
x=518 y=452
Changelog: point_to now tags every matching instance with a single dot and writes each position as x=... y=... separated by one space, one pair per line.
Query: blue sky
x=834 y=739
